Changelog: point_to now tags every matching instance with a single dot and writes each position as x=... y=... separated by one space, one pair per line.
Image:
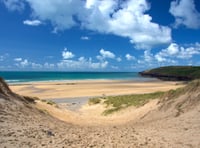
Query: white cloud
x=32 y=22
x=49 y=65
x=148 y=56
x=24 y=63
x=81 y=64
x=185 y=13
x=66 y=63
x=119 y=59
x=176 y=51
x=129 y=57
x=160 y=58
x=106 y=54
x=127 y=19
x=67 y=54
x=18 y=59
x=36 y=66
x=14 y=5
x=4 y=57
x=60 y=13
x=85 y=38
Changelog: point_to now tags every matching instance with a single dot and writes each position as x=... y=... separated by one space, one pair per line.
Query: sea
x=30 y=76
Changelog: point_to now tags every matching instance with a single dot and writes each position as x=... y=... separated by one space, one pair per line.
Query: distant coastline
x=173 y=73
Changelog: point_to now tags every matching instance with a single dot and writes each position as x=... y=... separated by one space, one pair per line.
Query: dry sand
x=153 y=125
x=90 y=88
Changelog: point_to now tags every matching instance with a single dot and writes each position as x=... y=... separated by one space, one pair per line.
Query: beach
x=90 y=88
x=158 y=123
x=71 y=98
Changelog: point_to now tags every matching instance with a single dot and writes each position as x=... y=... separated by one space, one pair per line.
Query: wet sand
x=90 y=88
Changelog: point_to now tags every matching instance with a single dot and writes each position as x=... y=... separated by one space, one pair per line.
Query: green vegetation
x=93 y=101
x=190 y=72
x=190 y=87
x=30 y=99
x=120 y=102
x=49 y=102
x=116 y=103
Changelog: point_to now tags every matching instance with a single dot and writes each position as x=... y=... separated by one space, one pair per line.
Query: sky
x=98 y=35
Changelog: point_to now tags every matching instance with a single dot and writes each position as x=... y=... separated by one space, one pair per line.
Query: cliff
x=174 y=73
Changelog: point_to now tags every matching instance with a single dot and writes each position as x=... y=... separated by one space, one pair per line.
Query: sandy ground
x=91 y=115
x=146 y=127
x=153 y=125
x=90 y=88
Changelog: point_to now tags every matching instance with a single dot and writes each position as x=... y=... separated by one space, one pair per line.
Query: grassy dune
x=116 y=103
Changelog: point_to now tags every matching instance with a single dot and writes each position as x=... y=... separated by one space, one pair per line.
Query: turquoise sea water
x=16 y=77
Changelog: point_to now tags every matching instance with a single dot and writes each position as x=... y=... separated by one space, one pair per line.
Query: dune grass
x=93 y=101
x=120 y=102
x=116 y=103
x=49 y=102
x=30 y=99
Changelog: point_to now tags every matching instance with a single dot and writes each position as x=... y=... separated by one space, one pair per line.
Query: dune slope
x=173 y=123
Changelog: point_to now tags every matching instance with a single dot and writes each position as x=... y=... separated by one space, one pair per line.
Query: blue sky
x=98 y=35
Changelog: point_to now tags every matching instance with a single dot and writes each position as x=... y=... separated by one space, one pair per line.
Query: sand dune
x=169 y=122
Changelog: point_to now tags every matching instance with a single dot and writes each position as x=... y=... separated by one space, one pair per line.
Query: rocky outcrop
x=173 y=73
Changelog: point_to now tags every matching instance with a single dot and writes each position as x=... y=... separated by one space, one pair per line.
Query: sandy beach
x=71 y=97
x=90 y=88
x=159 y=123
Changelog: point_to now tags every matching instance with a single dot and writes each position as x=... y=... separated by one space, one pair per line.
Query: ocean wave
x=12 y=81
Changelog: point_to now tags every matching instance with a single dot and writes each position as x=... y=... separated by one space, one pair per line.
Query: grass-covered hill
x=174 y=73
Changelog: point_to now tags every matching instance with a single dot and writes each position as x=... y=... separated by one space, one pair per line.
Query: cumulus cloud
x=176 y=51
x=127 y=19
x=24 y=63
x=185 y=13
x=81 y=64
x=65 y=63
x=32 y=22
x=60 y=13
x=129 y=57
x=106 y=54
x=67 y=54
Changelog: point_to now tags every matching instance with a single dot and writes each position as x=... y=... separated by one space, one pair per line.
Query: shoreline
x=142 y=79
